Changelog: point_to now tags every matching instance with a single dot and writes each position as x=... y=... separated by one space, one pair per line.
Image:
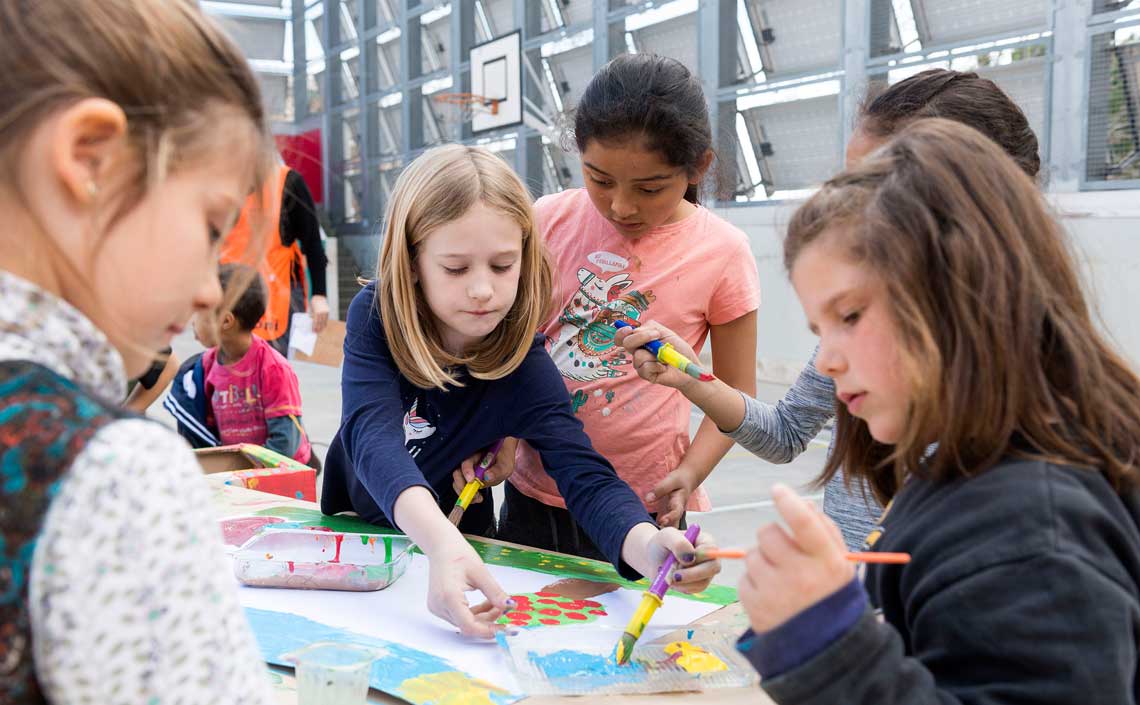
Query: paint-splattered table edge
x=232 y=500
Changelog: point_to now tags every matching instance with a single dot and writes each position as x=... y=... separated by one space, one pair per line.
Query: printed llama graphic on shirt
x=415 y=427
x=586 y=350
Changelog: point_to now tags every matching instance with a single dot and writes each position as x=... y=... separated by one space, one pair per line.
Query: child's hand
x=671 y=496
x=787 y=573
x=690 y=575
x=501 y=469
x=455 y=570
x=645 y=362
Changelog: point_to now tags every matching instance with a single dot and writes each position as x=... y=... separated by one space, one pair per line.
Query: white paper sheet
x=399 y=614
x=301 y=335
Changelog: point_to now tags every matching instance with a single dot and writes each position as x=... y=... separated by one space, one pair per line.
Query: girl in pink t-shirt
x=635 y=245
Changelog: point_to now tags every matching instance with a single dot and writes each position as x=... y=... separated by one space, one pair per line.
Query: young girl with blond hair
x=441 y=360
x=950 y=314
x=130 y=133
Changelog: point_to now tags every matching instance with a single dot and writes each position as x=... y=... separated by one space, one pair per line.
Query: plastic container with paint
x=571 y=660
x=316 y=559
x=330 y=673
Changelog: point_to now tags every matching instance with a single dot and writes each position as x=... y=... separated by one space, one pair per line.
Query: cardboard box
x=261 y=469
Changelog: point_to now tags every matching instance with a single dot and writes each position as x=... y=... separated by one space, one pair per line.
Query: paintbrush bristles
x=624 y=648
x=455 y=515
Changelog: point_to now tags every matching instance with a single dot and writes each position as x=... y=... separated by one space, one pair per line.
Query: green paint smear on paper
x=537 y=561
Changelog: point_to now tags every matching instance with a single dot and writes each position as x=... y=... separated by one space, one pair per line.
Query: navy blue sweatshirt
x=394 y=436
x=1023 y=587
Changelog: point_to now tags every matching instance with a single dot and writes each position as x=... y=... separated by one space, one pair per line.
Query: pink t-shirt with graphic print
x=688 y=275
x=244 y=394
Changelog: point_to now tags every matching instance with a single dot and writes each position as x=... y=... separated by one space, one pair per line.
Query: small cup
x=329 y=673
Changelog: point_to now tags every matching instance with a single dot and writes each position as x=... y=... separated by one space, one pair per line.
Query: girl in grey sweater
x=779 y=432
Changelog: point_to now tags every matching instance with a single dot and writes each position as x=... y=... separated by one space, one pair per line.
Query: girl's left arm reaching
x=734 y=364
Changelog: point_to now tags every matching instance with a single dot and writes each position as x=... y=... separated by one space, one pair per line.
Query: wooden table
x=233 y=501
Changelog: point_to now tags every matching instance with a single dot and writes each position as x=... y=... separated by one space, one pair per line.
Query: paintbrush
x=475 y=485
x=854 y=556
x=650 y=601
x=668 y=355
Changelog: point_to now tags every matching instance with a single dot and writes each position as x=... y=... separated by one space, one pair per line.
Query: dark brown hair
x=245 y=286
x=963 y=97
x=993 y=326
x=652 y=96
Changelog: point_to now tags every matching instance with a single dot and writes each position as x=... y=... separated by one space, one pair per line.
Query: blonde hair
x=437 y=188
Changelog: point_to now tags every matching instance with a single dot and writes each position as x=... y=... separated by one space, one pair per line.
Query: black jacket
x=1024 y=587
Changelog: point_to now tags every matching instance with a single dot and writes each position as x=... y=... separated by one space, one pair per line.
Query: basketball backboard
x=496 y=74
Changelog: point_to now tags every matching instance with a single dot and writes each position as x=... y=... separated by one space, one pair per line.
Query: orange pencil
x=857 y=556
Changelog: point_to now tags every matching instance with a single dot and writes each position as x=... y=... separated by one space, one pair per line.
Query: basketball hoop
x=462 y=107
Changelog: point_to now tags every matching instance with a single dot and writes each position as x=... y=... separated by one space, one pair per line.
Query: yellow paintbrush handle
x=468 y=494
x=633 y=631
x=668 y=355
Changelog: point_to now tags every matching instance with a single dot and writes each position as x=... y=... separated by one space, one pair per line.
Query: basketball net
x=458 y=108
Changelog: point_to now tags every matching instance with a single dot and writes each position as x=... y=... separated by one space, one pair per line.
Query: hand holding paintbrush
x=660 y=356
x=651 y=600
x=471 y=490
x=791 y=569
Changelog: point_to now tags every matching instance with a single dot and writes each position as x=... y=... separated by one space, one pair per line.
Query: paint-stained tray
x=568 y=660
x=313 y=559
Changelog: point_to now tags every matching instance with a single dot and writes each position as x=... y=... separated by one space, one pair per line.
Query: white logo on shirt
x=608 y=261
x=416 y=427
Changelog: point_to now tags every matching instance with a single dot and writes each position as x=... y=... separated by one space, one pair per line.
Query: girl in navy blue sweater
x=441 y=360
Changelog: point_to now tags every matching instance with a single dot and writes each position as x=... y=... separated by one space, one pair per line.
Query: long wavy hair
x=997 y=339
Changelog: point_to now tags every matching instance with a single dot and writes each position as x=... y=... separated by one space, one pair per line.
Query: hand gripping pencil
x=650 y=601
x=668 y=355
x=475 y=485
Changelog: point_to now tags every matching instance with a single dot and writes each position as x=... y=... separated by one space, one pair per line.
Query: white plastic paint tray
x=313 y=559
x=652 y=670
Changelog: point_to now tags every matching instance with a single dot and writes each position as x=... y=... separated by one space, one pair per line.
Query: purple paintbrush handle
x=488 y=459
x=661 y=583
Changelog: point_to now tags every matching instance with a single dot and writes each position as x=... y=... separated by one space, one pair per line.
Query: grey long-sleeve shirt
x=779 y=432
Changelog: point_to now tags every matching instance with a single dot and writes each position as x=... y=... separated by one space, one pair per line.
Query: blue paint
x=279 y=633
x=598 y=670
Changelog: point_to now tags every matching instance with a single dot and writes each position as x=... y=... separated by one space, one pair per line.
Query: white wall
x=1105 y=230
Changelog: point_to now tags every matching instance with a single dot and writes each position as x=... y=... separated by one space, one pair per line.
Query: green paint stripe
x=537 y=561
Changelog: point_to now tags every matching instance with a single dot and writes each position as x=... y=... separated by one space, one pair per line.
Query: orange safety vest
x=278 y=263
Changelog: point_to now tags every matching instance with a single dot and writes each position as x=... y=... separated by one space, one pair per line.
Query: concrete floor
x=739 y=486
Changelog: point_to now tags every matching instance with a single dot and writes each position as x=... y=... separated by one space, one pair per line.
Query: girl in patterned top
x=131 y=148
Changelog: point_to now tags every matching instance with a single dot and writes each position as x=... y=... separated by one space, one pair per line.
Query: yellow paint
x=694 y=659
x=251 y=483
x=448 y=688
